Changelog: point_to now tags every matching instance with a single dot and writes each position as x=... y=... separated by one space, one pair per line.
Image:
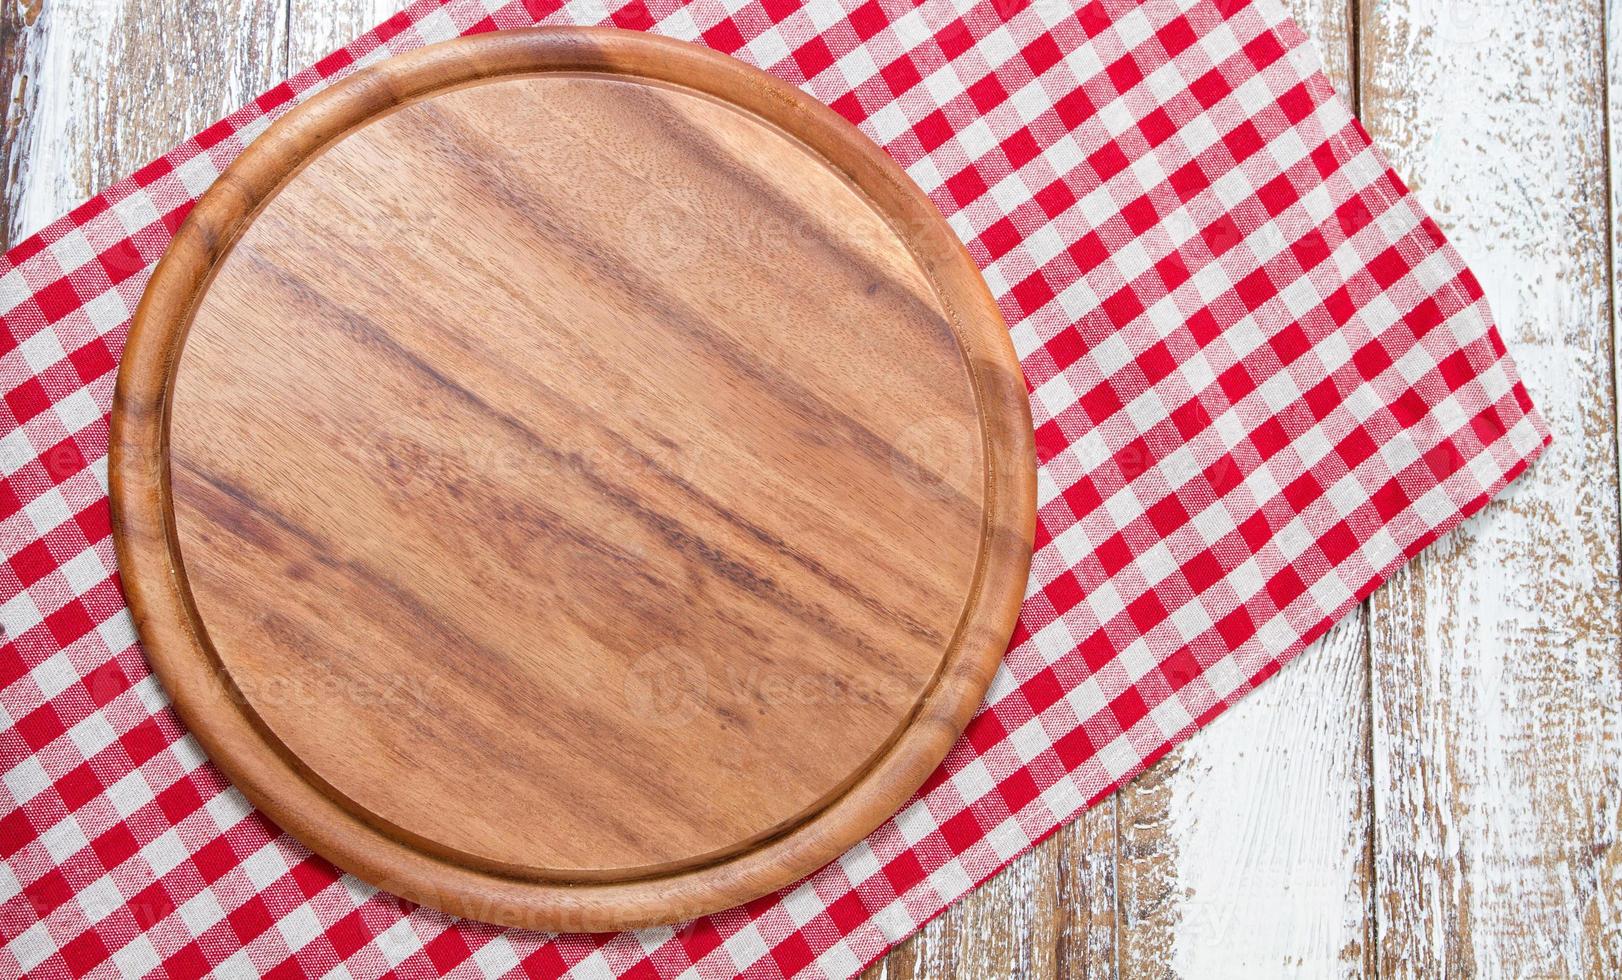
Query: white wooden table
x=1436 y=787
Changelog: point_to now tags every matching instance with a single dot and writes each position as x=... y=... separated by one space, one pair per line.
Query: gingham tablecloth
x=1261 y=380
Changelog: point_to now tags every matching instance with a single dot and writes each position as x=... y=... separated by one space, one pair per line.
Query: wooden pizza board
x=571 y=479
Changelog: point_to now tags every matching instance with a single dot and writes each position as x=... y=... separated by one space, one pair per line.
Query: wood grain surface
x=572 y=479
x=1149 y=883
x=1497 y=733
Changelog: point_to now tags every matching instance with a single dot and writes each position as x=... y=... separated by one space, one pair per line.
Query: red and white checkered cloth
x=1261 y=381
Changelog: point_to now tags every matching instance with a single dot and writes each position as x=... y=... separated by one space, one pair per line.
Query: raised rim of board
x=179 y=649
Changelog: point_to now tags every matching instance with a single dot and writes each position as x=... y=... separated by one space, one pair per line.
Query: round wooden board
x=571 y=479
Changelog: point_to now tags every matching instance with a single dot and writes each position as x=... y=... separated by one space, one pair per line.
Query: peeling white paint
x=1497 y=738
x=65 y=46
x=1268 y=818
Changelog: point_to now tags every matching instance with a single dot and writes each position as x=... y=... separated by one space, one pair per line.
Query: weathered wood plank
x=1332 y=26
x=16 y=41
x=1089 y=911
x=1495 y=655
x=1008 y=928
x=1602 y=919
x=106 y=86
x=316 y=28
x=1258 y=829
